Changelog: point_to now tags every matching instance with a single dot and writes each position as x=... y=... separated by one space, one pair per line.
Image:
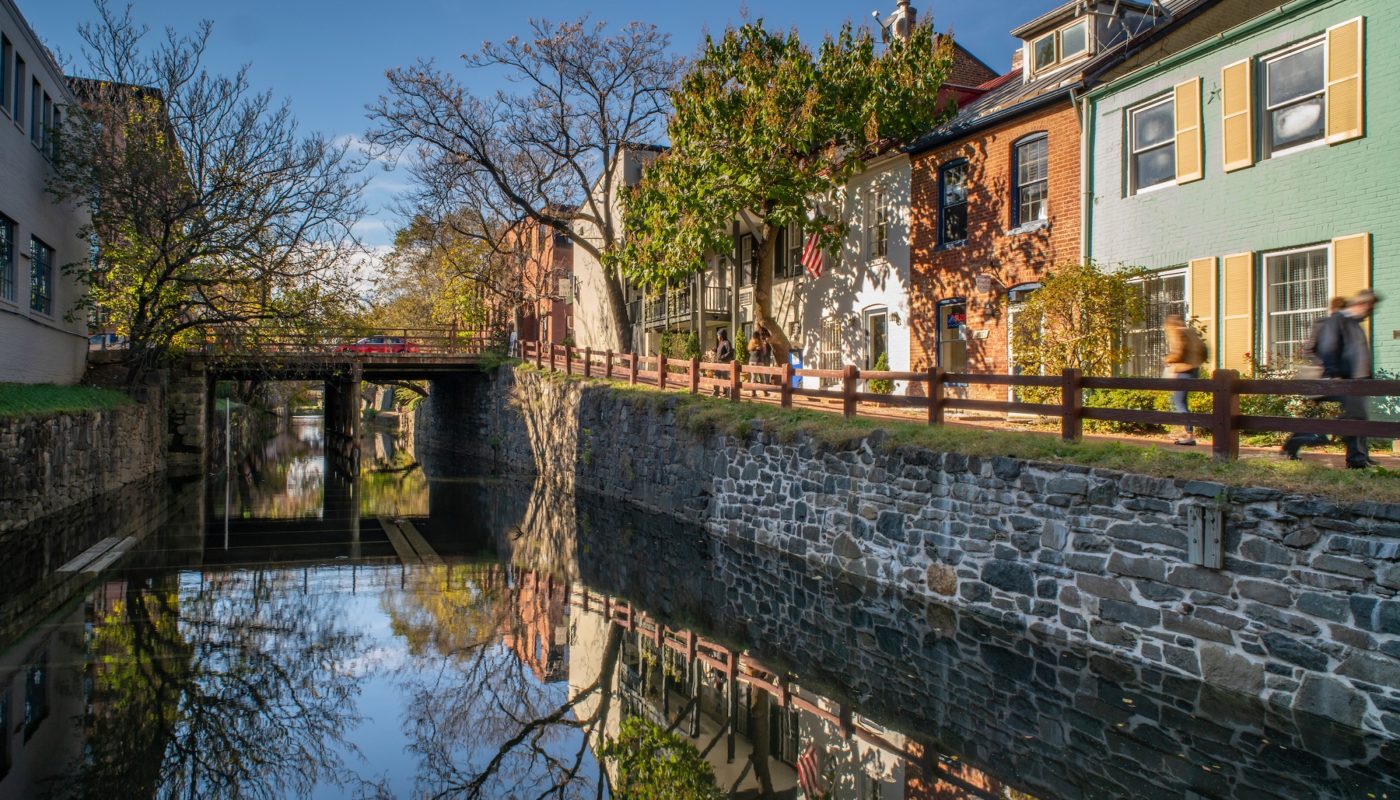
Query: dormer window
x=1061 y=46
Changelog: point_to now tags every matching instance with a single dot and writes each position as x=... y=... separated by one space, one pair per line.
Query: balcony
x=676 y=306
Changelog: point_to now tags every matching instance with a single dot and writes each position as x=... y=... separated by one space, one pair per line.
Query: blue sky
x=329 y=56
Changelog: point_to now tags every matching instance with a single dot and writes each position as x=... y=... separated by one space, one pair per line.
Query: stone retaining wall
x=51 y=463
x=1304 y=613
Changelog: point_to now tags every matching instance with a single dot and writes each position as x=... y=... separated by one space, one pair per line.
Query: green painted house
x=1256 y=174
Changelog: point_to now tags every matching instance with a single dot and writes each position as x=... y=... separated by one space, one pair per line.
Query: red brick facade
x=991 y=248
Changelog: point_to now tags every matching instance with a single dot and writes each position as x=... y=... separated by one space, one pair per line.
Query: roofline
x=43 y=51
x=933 y=140
x=1044 y=20
x=1245 y=28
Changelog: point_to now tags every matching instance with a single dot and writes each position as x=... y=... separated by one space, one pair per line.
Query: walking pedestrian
x=724 y=351
x=1186 y=352
x=1339 y=346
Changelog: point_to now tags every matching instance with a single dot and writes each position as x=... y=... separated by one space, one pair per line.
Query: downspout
x=1088 y=127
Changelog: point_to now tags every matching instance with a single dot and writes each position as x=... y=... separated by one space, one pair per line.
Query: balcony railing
x=678 y=304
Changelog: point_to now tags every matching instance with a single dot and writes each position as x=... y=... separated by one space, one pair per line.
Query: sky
x=328 y=57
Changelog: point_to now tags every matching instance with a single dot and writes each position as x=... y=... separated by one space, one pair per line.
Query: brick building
x=546 y=291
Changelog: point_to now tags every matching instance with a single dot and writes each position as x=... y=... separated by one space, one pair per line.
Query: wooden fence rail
x=1225 y=387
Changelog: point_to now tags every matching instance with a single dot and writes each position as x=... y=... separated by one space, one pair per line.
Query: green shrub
x=1137 y=400
x=655 y=764
x=741 y=348
x=879 y=386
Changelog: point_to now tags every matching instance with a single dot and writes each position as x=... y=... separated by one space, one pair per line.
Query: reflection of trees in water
x=239 y=687
x=479 y=720
x=283 y=476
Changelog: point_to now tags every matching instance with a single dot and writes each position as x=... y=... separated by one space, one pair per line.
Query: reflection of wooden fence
x=434 y=341
x=1225 y=387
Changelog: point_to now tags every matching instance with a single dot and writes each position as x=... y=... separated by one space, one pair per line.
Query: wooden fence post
x=935 y=396
x=661 y=371
x=695 y=376
x=848 y=390
x=568 y=359
x=736 y=379
x=1225 y=439
x=587 y=362
x=539 y=355
x=607 y=370
x=1071 y=406
x=632 y=369
x=785 y=392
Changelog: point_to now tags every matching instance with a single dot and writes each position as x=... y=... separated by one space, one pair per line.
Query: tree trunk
x=617 y=306
x=763 y=296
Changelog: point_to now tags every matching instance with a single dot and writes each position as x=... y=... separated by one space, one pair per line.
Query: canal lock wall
x=1303 y=612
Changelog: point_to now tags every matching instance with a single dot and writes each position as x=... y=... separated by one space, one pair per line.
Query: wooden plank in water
x=111 y=555
x=89 y=555
x=396 y=538
x=425 y=550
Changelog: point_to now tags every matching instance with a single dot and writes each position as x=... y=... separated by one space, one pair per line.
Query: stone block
x=1295 y=652
x=1198 y=628
x=1328 y=697
x=1230 y=670
x=1323 y=605
x=1192 y=577
x=1103 y=587
x=1130 y=613
x=1150 y=534
x=1265 y=592
x=1342 y=566
x=942 y=579
x=1138 y=567
x=1011 y=576
x=1375 y=669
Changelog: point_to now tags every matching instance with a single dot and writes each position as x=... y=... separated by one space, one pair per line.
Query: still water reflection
x=293 y=633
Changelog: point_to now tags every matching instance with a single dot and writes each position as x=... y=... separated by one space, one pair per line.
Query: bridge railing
x=406 y=342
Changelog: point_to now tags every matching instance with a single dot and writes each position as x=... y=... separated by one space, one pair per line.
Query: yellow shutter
x=1346 y=84
x=1201 y=278
x=1189 y=165
x=1351 y=266
x=1237 y=311
x=1237 y=108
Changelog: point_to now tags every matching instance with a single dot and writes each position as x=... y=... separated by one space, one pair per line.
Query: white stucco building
x=43 y=340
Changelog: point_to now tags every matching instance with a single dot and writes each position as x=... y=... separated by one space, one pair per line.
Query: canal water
x=280 y=630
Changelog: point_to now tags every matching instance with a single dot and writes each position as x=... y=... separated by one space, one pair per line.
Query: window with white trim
x=7 y=258
x=830 y=356
x=1296 y=295
x=952 y=203
x=787 y=255
x=1295 y=102
x=1163 y=294
x=877 y=224
x=40 y=276
x=1152 y=139
x=1032 y=174
x=1061 y=46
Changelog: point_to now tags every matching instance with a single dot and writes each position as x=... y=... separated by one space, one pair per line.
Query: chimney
x=899 y=24
x=1018 y=59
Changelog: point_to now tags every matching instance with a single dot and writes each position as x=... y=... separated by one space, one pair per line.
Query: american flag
x=812 y=257
x=808 y=766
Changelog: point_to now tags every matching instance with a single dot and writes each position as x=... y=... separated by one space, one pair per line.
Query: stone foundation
x=1304 y=613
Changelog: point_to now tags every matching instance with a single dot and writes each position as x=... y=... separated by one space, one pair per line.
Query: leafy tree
x=209 y=207
x=434 y=277
x=543 y=154
x=656 y=764
x=764 y=126
x=879 y=385
x=1079 y=318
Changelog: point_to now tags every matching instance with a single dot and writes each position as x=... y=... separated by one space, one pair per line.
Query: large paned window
x=7 y=258
x=877 y=336
x=830 y=356
x=1032 y=174
x=952 y=203
x=1163 y=294
x=877 y=224
x=17 y=101
x=1062 y=46
x=787 y=255
x=1295 y=97
x=40 y=276
x=1295 y=296
x=748 y=260
x=1153 y=138
x=952 y=341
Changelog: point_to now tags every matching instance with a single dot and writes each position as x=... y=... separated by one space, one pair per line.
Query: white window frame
x=1133 y=151
x=1054 y=38
x=1058 y=58
x=1268 y=120
x=829 y=343
x=877 y=226
x=1265 y=286
x=867 y=317
x=1170 y=272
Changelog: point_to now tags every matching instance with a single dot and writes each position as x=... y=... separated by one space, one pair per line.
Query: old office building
x=38 y=236
x=1249 y=174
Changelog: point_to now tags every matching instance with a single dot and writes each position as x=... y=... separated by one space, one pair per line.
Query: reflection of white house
x=41 y=704
x=38 y=236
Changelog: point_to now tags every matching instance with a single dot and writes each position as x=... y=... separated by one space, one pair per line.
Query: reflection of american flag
x=812 y=257
x=809 y=771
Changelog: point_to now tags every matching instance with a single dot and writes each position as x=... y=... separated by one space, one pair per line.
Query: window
x=1153 y=138
x=7 y=55
x=1060 y=47
x=1032 y=181
x=830 y=356
x=1295 y=296
x=748 y=260
x=40 y=276
x=877 y=336
x=787 y=254
x=952 y=203
x=1295 y=96
x=36 y=110
x=55 y=133
x=36 y=695
x=1044 y=48
x=1074 y=40
x=46 y=126
x=1163 y=294
x=952 y=344
x=17 y=109
x=7 y=259
x=877 y=224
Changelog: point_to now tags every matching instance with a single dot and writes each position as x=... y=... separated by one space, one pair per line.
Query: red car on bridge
x=379 y=344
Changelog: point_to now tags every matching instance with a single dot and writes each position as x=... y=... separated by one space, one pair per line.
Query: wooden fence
x=1225 y=387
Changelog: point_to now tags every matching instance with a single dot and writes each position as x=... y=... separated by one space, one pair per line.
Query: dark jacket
x=1341 y=347
x=725 y=351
